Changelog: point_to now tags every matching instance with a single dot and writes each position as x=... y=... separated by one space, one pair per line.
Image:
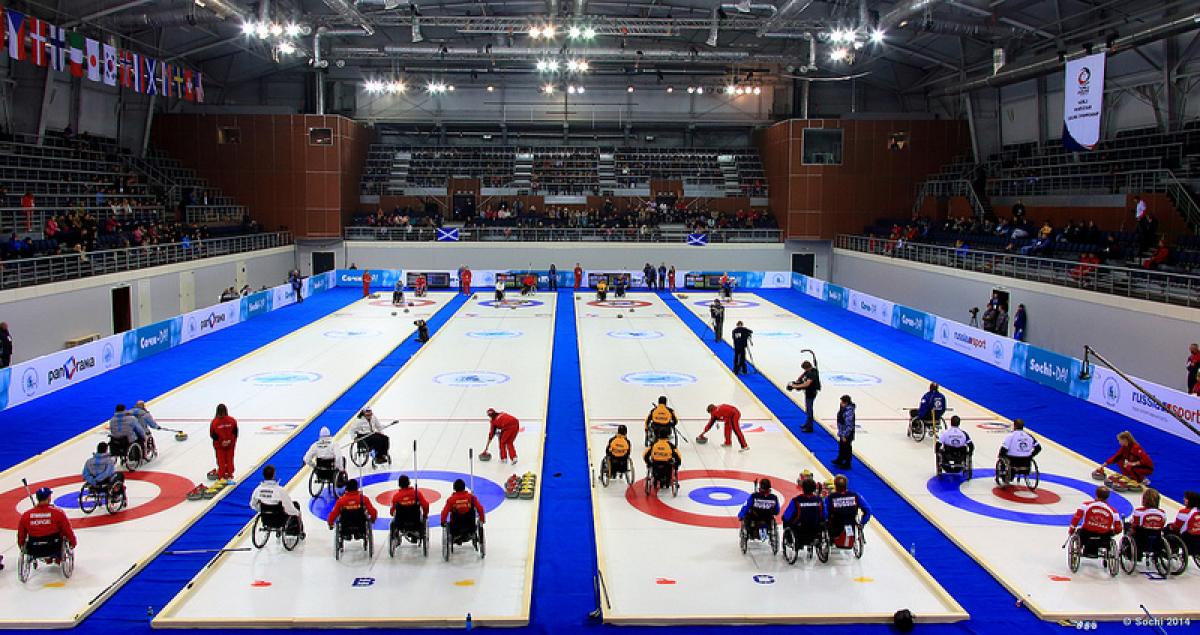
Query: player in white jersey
x=1019 y=446
x=269 y=493
x=325 y=450
x=955 y=437
x=369 y=431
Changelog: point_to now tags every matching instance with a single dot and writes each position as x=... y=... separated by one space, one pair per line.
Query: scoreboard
x=433 y=280
x=701 y=280
x=510 y=280
x=611 y=278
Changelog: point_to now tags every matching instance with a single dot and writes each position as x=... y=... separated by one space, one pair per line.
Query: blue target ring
x=719 y=496
x=729 y=304
x=519 y=304
x=490 y=494
x=949 y=491
x=70 y=500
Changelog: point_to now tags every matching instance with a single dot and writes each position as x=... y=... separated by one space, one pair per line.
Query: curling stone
x=620 y=315
x=631 y=310
x=1098 y=474
x=406 y=310
x=181 y=435
x=393 y=314
x=701 y=440
x=485 y=456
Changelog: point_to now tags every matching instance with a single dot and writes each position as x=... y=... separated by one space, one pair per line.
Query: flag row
x=38 y=42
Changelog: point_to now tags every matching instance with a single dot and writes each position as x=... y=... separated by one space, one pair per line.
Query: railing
x=229 y=214
x=564 y=234
x=1156 y=286
x=32 y=271
x=950 y=187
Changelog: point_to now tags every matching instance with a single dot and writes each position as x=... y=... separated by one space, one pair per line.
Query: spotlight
x=373 y=86
x=574 y=33
x=589 y=33
x=729 y=90
x=757 y=90
x=535 y=32
x=396 y=86
x=542 y=66
x=699 y=90
x=548 y=32
x=691 y=89
x=580 y=90
x=450 y=88
x=248 y=28
x=877 y=36
x=572 y=65
x=287 y=48
x=584 y=66
x=552 y=66
x=838 y=54
x=491 y=89
x=629 y=88
x=548 y=89
x=276 y=30
x=262 y=30
x=292 y=29
x=671 y=89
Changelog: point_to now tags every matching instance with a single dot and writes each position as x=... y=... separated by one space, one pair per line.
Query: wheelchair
x=1008 y=472
x=353 y=524
x=651 y=438
x=662 y=477
x=412 y=530
x=1191 y=544
x=759 y=531
x=45 y=551
x=918 y=428
x=851 y=538
x=133 y=455
x=111 y=496
x=1093 y=547
x=273 y=521
x=362 y=453
x=815 y=541
x=621 y=466
x=1161 y=549
x=326 y=475
x=954 y=460
x=454 y=536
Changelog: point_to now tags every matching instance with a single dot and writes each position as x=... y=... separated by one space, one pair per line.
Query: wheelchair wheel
x=68 y=559
x=1161 y=558
x=916 y=430
x=291 y=533
x=1034 y=477
x=1179 y=554
x=337 y=542
x=480 y=542
x=773 y=535
x=259 y=534
x=151 y=451
x=674 y=484
x=858 y=542
x=743 y=538
x=969 y=469
x=393 y=542
x=629 y=473
x=425 y=541
x=603 y=476
x=369 y=542
x=1128 y=555
x=937 y=463
x=315 y=486
x=1074 y=552
x=116 y=498
x=88 y=500
x=24 y=567
x=791 y=551
x=1003 y=478
x=821 y=546
x=1112 y=559
x=134 y=457
x=446 y=544
x=649 y=481
x=360 y=455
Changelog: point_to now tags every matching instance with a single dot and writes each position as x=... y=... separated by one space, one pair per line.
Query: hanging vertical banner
x=58 y=48
x=75 y=50
x=38 y=38
x=109 y=66
x=1083 y=102
x=14 y=28
x=93 y=60
x=150 y=75
x=199 y=87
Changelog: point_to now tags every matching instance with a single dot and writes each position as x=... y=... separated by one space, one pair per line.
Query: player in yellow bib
x=662 y=461
x=617 y=452
x=661 y=417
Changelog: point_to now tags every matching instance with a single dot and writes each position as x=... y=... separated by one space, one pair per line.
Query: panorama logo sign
x=69 y=368
x=283 y=378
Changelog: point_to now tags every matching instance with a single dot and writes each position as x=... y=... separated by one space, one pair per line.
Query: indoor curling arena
x=836 y=317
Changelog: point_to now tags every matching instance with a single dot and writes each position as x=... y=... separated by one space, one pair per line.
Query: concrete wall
x=44 y=317
x=368 y=254
x=1144 y=339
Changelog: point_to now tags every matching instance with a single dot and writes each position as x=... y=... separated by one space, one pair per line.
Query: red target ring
x=409 y=304
x=657 y=506
x=172 y=490
x=1026 y=497
x=619 y=304
x=385 y=499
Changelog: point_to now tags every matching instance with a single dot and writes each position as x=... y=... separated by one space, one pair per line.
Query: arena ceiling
x=914 y=46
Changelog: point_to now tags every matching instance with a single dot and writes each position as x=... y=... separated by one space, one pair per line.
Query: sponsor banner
x=255 y=304
x=1108 y=390
x=1049 y=369
x=283 y=295
x=871 y=307
x=837 y=296
x=319 y=283
x=913 y=322
x=46 y=374
x=1083 y=102
x=214 y=318
x=151 y=339
x=814 y=287
x=380 y=278
x=983 y=346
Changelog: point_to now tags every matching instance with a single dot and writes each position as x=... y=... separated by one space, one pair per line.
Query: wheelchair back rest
x=408 y=514
x=845 y=540
x=273 y=516
x=43 y=546
x=118 y=446
x=955 y=454
x=464 y=508
x=353 y=519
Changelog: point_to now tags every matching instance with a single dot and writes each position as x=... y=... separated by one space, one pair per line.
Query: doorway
x=122 y=309
x=804 y=264
x=464 y=206
x=322 y=261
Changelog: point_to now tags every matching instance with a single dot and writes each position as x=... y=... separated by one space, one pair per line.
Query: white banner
x=46 y=374
x=283 y=295
x=870 y=306
x=1108 y=390
x=214 y=318
x=815 y=287
x=996 y=350
x=1083 y=101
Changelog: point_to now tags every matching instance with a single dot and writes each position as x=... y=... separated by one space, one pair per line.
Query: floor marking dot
x=54 y=585
x=260 y=583
x=464 y=583
x=1060 y=578
x=864 y=579
x=664 y=581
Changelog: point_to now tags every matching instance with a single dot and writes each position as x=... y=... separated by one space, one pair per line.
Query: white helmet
x=324 y=432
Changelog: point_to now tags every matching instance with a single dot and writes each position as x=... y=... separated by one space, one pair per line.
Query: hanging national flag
x=75 y=49
x=697 y=240
x=165 y=86
x=150 y=75
x=135 y=73
x=109 y=65
x=447 y=234
x=189 y=85
x=93 y=60
x=177 y=81
x=58 y=48
x=38 y=38
x=199 y=87
x=15 y=29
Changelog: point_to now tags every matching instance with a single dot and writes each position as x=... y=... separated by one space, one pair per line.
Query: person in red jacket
x=44 y=521
x=366 y=284
x=506 y=427
x=352 y=500
x=224 y=433
x=1187 y=521
x=1096 y=520
x=732 y=417
x=1131 y=459
x=464 y=280
x=462 y=510
x=578 y=276
x=409 y=507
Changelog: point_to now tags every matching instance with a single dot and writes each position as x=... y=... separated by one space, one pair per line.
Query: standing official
x=845 y=433
x=717 y=311
x=741 y=340
x=810 y=382
x=224 y=433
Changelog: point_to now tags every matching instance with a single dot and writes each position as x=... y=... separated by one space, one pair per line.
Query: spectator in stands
x=990 y=314
x=1147 y=229
x=1139 y=208
x=1086 y=268
x=6 y=345
x=1160 y=257
x=1018 y=209
x=1002 y=321
x=1020 y=320
x=1193 y=365
x=1111 y=249
x=28 y=203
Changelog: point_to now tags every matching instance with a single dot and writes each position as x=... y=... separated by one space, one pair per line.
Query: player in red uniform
x=506 y=427
x=1096 y=520
x=578 y=276
x=1131 y=459
x=352 y=500
x=1187 y=521
x=1147 y=522
x=366 y=283
x=732 y=417
x=44 y=521
x=224 y=433
x=420 y=286
x=461 y=507
x=464 y=280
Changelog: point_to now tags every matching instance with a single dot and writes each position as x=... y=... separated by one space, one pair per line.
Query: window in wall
x=229 y=135
x=822 y=147
x=320 y=136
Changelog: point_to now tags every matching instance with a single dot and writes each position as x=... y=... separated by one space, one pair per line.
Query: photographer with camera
x=422 y=331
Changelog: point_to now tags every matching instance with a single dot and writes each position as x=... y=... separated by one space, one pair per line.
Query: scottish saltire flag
x=697 y=240
x=447 y=234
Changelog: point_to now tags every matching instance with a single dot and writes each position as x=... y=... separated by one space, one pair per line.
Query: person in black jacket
x=716 y=311
x=810 y=382
x=6 y=346
x=741 y=340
